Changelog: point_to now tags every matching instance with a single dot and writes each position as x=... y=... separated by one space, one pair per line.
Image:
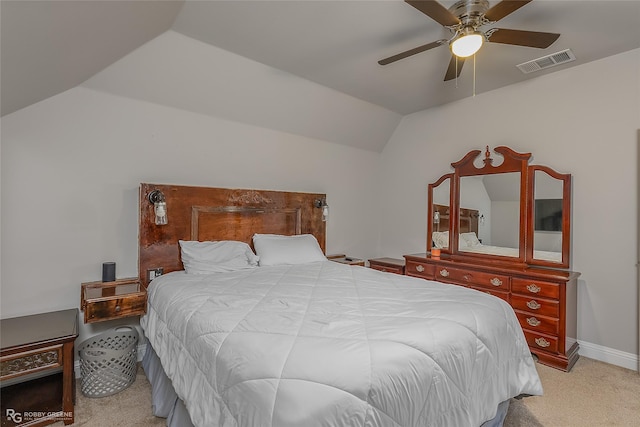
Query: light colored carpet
x=593 y=394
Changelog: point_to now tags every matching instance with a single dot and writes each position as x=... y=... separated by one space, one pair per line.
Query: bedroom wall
x=582 y=120
x=71 y=166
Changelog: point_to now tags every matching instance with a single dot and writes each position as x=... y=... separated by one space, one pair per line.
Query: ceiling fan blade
x=454 y=71
x=410 y=52
x=522 y=38
x=504 y=8
x=435 y=11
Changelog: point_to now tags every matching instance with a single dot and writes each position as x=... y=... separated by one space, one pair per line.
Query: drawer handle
x=532 y=321
x=419 y=268
x=533 y=288
x=542 y=342
x=444 y=272
x=496 y=282
x=533 y=305
x=117 y=309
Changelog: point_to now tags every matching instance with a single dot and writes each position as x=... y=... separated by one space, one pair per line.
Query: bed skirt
x=165 y=403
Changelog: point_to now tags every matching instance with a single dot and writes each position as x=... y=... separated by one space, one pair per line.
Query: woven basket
x=108 y=361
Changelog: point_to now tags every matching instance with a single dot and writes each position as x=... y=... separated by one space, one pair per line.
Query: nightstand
x=102 y=301
x=391 y=265
x=343 y=259
x=36 y=362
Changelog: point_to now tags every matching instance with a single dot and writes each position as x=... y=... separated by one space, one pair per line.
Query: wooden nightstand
x=102 y=301
x=390 y=265
x=36 y=362
x=343 y=259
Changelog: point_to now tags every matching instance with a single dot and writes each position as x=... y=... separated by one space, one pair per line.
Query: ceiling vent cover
x=548 y=61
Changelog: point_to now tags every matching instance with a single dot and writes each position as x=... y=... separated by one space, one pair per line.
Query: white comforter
x=327 y=344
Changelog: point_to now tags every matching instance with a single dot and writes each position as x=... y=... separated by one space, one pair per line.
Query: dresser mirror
x=495 y=201
x=498 y=208
x=440 y=211
x=550 y=213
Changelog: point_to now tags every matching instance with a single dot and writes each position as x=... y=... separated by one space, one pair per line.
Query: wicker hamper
x=108 y=361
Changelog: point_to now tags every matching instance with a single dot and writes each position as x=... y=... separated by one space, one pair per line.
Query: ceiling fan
x=464 y=20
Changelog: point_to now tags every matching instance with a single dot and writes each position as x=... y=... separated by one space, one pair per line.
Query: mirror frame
x=430 y=210
x=512 y=162
x=565 y=178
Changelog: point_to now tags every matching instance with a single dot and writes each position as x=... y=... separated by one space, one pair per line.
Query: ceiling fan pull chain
x=456 y=72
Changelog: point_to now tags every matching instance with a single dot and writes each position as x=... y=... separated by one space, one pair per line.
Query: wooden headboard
x=468 y=219
x=205 y=213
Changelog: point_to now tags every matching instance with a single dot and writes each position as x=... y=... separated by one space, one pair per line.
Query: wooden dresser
x=38 y=386
x=544 y=300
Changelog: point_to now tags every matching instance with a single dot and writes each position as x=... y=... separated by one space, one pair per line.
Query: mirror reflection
x=490 y=214
x=547 y=234
x=440 y=197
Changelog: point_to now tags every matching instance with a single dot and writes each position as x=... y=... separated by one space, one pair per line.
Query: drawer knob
x=532 y=321
x=533 y=305
x=533 y=288
x=496 y=282
x=542 y=342
x=444 y=272
x=419 y=268
x=117 y=309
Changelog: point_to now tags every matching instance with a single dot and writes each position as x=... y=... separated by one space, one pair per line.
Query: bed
x=304 y=341
x=469 y=242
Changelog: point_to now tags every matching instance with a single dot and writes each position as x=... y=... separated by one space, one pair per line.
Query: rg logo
x=14 y=416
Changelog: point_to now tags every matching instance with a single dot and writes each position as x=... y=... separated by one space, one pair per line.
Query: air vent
x=548 y=61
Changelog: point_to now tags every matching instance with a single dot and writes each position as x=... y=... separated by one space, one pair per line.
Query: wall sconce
x=322 y=203
x=436 y=217
x=156 y=197
x=481 y=219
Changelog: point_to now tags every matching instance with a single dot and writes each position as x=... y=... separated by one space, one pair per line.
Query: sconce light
x=481 y=219
x=322 y=203
x=436 y=217
x=156 y=197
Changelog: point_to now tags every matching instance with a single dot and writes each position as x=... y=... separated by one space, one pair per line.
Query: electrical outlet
x=152 y=273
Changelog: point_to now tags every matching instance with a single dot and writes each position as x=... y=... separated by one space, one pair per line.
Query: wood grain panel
x=208 y=213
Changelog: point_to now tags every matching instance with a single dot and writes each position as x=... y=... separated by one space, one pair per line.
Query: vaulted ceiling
x=48 y=47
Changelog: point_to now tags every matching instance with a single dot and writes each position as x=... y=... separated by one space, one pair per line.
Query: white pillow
x=470 y=239
x=275 y=249
x=441 y=239
x=216 y=257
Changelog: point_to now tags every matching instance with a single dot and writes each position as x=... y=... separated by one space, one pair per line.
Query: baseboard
x=609 y=355
x=141 y=350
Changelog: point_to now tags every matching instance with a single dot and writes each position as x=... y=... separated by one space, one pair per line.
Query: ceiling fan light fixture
x=468 y=43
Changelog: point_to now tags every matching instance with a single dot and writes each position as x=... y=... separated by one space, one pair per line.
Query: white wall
x=582 y=120
x=71 y=167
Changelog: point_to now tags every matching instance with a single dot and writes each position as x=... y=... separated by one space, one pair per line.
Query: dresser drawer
x=473 y=278
x=535 y=305
x=535 y=288
x=419 y=269
x=542 y=341
x=537 y=323
x=499 y=294
x=389 y=265
x=16 y=365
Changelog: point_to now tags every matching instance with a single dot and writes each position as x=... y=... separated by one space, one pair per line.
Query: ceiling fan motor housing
x=470 y=13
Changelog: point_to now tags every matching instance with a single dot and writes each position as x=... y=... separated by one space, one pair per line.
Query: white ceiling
x=48 y=47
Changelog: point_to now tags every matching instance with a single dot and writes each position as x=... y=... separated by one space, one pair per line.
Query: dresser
x=544 y=300
x=38 y=386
